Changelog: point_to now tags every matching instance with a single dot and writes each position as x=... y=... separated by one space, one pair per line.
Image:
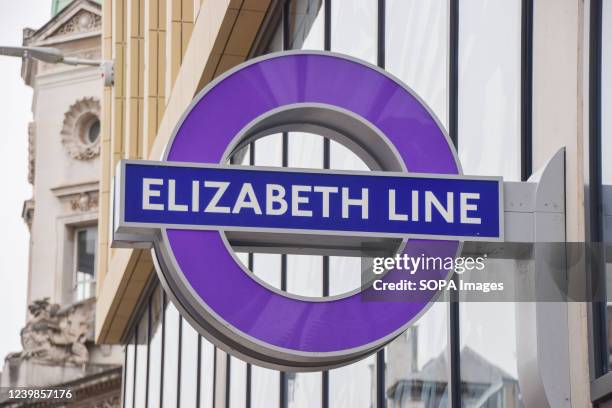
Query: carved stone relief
x=83 y=21
x=57 y=335
x=81 y=129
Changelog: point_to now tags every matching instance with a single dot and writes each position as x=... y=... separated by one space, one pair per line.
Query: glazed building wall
x=473 y=59
x=482 y=110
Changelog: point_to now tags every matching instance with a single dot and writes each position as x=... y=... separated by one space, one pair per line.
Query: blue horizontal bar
x=364 y=203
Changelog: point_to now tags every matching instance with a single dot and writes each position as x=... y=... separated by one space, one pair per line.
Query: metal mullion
x=135 y=362
x=199 y=372
x=454 y=362
x=248 y=386
x=148 y=350
x=251 y=262
x=163 y=348
x=526 y=89
x=327 y=25
x=179 y=362
x=454 y=337
x=453 y=71
x=228 y=377
x=381 y=400
x=214 y=378
x=283 y=380
x=326 y=165
x=283 y=389
x=125 y=353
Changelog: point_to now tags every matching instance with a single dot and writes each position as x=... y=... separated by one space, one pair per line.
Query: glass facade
x=449 y=53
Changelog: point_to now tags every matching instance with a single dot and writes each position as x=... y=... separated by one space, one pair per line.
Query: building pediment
x=80 y=19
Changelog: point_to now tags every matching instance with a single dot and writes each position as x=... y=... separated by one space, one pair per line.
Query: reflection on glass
x=140 y=387
x=269 y=150
x=171 y=356
x=342 y=158
x=306 y=22
x=354 y=25
x=344 y=274
x=305 y=150
x=416 y=49
x=305 y=275
x=265 y=387
x=353 y=386
x=207 y=373
x=237 y=383
x=276 y=42
x=242 y=156
x=265 y=383
x=128 y=382
x=155 y=345
x=189 y=364
x=244 y=258
x=304 y=390
x=489 y=87
x=416 y=373
x=489 y=376
x=268 y=268
x=85 y=263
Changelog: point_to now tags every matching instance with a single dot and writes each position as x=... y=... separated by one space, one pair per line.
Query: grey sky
x=15 y=113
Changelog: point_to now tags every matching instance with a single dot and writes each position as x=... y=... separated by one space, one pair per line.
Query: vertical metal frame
x=179 y=361
x=148 y=350
x=228 y=377
x=199 y=372
x=326 y=165
x=454 y=360
x=163 y=347
x=381 y=398
x=134 y=371
x=123 y=376
x=526 y=88
x=601 y=378
x=283 y=397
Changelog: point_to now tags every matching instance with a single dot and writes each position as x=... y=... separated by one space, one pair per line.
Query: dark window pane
x=86 y=250
x=85 y=262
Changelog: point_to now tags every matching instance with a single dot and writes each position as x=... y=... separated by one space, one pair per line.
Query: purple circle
x=220 y=113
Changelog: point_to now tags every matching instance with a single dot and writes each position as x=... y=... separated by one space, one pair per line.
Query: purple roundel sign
x=193 y=205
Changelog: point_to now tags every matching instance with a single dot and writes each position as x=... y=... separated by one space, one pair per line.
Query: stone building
x=64 y=146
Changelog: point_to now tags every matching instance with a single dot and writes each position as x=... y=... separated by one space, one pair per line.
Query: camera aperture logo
x=423 y=263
